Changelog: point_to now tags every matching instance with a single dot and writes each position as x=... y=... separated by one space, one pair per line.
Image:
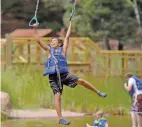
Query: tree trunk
x=106 y=41
x=120 y=46
x=135 y=6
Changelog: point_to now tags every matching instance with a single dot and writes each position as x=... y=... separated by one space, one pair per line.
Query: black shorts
x=66 y=79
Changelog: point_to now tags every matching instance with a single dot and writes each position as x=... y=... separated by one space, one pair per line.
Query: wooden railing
x=83 y=55
x=120 y=62
x=27 y=51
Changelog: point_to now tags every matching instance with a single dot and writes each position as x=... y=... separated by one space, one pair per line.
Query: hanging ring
x=34 y=19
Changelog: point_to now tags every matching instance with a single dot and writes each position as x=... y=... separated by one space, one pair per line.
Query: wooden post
x=109 y=64
x=73 y=50
x=126 y=64
x=123 y=65
x=28 y=53
x=8 y=50
x=38 y=54
x=20 y=48
x=140 y=67
x=3 y=55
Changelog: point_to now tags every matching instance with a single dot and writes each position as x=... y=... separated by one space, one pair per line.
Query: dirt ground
x=40 y=113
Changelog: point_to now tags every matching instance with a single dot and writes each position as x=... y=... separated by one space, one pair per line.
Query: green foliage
x=55 y=26
x=4 y=116
x=113 y=121
x=19 y=8
x=49 y=13
x=98 y=18
x=29 y=89
x=28 y=84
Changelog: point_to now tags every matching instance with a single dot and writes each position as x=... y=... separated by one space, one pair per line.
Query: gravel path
x=41 y=113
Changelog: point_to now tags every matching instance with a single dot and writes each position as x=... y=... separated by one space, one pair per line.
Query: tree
x=50 y=12
x=137 y=15
x=20 y=9
x=99 y=19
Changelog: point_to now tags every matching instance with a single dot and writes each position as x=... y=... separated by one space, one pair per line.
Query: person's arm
x=128 y=86
x=40 y=42
x=66 y=41
x=106 y=125
x=87 y=125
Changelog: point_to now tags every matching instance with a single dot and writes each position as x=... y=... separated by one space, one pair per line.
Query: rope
x=36 y=7
x=73 y=9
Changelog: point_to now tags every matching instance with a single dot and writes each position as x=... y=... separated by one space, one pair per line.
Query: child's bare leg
x=90 y=87
x=58 y=104
x=87 y=85
x=58 y=109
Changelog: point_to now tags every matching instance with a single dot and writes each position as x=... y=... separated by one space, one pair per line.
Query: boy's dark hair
x=59 y=40
x=129 y=75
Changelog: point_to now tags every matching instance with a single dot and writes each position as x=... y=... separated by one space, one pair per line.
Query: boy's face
x=54 y=43
x=98 y=116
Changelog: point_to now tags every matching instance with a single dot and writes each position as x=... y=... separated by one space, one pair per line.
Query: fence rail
x=83 y=56
x=121 y=62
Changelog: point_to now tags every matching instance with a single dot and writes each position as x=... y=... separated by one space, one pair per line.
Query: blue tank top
x=57 y=61
x=100 y=122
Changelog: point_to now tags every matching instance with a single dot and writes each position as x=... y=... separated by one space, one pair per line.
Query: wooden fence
x=83 y=56
x=120 y=62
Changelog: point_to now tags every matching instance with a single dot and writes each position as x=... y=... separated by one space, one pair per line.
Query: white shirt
x=131 y=82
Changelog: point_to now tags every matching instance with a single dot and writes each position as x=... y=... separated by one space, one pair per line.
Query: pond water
x=113 y=121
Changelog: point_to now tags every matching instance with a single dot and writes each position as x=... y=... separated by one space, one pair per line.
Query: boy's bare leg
x=58 y=109
x=90 y=87
x=87 y=85
x=58 y=104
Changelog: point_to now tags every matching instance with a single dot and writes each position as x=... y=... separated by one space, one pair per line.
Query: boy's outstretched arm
x=66 y=41
x=41 y=43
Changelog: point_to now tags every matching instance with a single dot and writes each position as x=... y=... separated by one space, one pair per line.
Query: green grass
x=113 y=121
x=29 y=89
x=4 y=117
